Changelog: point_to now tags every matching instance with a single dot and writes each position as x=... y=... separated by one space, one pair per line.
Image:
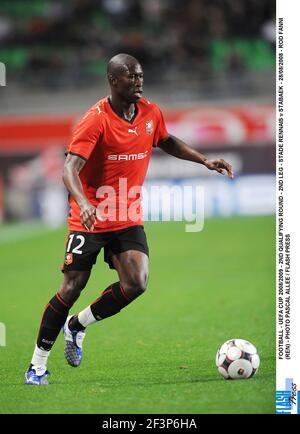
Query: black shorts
x=82 y=248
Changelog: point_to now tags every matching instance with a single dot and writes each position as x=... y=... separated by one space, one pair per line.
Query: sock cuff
x=59 y=305
x=123 y=293
x=119 y=294
x=62 y=301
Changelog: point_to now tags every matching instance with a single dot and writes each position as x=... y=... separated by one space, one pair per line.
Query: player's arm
x=72 y=167
x=176 y=147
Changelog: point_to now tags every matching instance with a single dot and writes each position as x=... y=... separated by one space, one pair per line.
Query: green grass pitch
x=158 y=354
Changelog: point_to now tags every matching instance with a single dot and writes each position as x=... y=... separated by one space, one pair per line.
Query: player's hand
x=220 y=166
x=88 y=216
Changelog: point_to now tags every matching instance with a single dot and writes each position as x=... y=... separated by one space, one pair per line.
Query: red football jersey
x=118 y=154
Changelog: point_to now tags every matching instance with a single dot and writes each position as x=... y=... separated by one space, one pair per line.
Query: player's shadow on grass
x=209 y=379
x=104 y=383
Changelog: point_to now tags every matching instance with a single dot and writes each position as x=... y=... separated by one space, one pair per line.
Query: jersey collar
x=111 y=111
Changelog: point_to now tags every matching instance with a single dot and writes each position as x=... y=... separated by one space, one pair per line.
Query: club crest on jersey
x=149 y=126
x=69 y=258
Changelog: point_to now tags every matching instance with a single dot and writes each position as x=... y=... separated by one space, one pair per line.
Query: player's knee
x=72 y=288
x=136 y=285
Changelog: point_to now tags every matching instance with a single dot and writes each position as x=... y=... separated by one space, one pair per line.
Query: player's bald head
x=125 y=77
x=120 y=64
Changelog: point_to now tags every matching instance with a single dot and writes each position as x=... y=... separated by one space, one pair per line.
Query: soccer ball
x=237 y=359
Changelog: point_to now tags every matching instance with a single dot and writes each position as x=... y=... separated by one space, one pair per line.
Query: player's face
x=130 y=83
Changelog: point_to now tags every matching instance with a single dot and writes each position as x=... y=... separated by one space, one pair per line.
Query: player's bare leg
x=53 y=319
x=74 y=282
x=133 y=269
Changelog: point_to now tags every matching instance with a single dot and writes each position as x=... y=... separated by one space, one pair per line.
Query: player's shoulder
x=99 y=109
x=148 y=106
x=93 y=117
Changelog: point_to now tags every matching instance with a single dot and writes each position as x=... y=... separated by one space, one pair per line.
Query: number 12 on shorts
x=75 y=249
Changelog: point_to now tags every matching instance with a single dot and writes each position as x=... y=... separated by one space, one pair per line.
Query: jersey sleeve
x=161 y=132
x=86 y=135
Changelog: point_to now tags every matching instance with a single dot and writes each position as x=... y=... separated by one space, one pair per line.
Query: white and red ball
x=237 y=359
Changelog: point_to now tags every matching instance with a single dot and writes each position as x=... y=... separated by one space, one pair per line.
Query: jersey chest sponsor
x=127 y=157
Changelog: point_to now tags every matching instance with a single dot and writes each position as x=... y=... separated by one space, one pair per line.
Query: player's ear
x=112 y=80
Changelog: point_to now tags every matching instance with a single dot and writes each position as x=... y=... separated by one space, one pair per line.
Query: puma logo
x=133 y=131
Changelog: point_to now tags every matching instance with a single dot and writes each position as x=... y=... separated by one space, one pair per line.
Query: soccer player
x=107 y=158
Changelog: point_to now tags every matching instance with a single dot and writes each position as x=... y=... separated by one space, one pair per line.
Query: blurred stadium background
x=210 y=65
